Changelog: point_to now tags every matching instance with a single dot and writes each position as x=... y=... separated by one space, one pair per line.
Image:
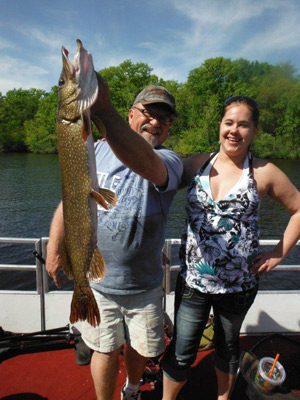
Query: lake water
x=30 y=192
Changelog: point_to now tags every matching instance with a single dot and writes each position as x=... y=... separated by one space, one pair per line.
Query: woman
x=220 y=254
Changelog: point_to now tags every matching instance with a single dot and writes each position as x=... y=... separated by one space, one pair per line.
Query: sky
x=171 y=36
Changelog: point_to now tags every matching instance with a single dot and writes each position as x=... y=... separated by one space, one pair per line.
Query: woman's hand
x=265 y=262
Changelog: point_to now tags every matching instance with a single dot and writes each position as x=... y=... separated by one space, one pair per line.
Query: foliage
x=17 y=106
x=40 y=132
x=28 y=117
x=191 y=141
x=264 y=145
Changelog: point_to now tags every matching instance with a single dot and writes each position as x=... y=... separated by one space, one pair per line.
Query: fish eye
x=61 y=82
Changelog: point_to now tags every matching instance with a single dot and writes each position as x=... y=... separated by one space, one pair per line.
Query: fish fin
x=86 y=126
x=97 y=267
x=87 y=78
x=99 y=125
x=84 y=306
x=105 y=196
x=109 y=196
x=99 y=199
x=65 y=262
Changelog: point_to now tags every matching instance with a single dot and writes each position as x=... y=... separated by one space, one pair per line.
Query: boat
x=42 y=356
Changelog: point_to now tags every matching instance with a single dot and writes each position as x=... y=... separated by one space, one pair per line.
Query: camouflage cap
x=156 y=94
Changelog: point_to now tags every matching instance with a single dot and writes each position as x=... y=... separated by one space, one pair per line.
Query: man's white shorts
x=136 y=319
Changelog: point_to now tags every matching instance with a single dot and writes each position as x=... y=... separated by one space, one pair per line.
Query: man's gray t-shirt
x=131 y=235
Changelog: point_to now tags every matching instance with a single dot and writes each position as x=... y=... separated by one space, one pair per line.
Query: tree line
x=28 y=117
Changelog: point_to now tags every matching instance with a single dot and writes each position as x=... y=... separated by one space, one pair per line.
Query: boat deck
x=55 y=375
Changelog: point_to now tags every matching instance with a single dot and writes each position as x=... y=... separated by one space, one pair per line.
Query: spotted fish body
x=80 y=257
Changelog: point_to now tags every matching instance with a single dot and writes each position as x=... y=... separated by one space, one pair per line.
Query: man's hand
x=103 y=100
x=53 y=261
x=53 y=266
x=102 y=105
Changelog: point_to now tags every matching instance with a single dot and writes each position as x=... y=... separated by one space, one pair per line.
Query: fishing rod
x=50 y=334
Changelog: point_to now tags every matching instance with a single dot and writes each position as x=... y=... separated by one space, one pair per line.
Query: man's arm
x=127 y=145
x=56 y=234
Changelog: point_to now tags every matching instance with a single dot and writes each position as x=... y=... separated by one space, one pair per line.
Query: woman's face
x=237 y=129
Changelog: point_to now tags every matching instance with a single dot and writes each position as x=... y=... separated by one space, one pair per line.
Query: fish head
x=78 y=85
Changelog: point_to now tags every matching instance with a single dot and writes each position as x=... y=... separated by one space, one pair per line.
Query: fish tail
x=84 y=306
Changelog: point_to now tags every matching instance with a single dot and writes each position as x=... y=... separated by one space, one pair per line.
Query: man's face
x=151 y=122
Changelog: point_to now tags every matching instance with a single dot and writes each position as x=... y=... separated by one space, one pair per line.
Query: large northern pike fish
x=80 y=257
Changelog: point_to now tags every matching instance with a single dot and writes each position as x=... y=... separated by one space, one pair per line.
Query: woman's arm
x=279 y=188
x=190 y=166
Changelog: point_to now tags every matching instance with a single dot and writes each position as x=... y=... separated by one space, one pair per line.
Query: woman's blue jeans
x=192 y=310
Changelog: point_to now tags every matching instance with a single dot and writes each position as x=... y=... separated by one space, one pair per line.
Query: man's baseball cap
x=156 y=94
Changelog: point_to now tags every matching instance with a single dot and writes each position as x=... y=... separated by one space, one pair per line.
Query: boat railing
x=42 y=279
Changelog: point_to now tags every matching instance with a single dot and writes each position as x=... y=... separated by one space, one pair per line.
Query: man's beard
x=152 y=139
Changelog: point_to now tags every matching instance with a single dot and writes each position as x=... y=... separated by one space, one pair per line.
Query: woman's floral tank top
x=221 y=238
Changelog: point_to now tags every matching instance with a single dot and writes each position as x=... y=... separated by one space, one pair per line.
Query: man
x=145 y=176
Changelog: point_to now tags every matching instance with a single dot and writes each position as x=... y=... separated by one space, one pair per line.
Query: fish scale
x=80 y=256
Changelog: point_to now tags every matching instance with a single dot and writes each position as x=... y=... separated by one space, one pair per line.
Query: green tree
x=18 y=106
x=40 y=132
x=28 y=117
x=288 y=130
x=2 y=118
x=192 y=141
x=278 y=98
x=273 y=93
x=206 y=89
x=264 y=145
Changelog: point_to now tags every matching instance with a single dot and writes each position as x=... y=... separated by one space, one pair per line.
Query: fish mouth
x=82 y=72
x=74 y=66
x=81 y=61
